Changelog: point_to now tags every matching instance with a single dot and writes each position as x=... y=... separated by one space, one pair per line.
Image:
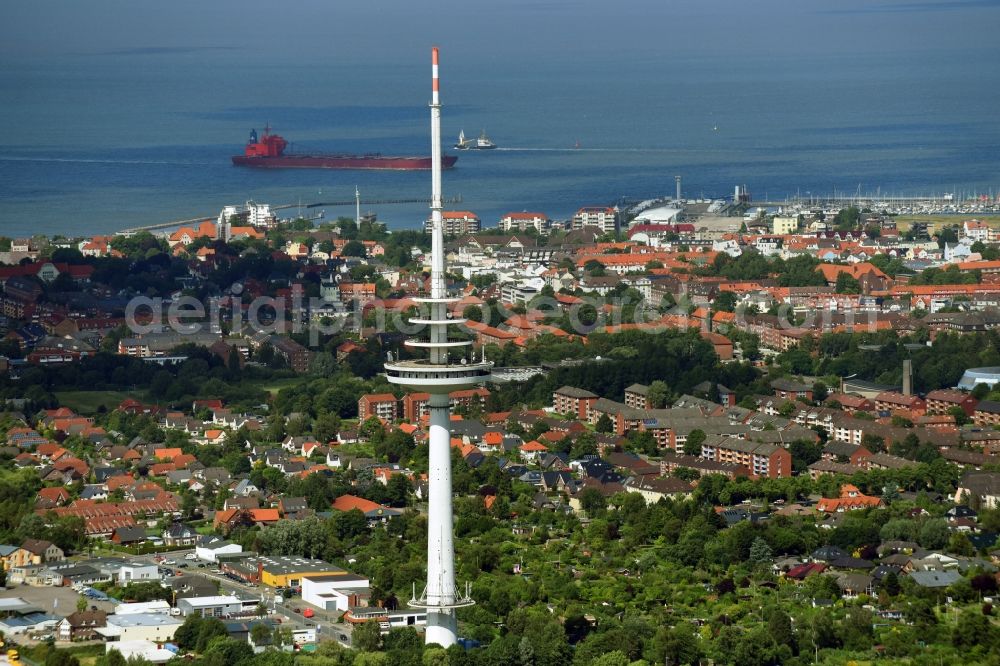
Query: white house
x=210 y=552
x=137 y=572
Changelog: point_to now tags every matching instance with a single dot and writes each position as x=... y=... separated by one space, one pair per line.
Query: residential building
x=943 y=400
x=575 y=401
x=763 y=460
x=782 y=226
x=296 y=356
x=653 y=489
x=82 y=625
x=523 y=221
x=891 y=401
x=851 y=499
x=791 y=390
x=636 y=396
x=382 y=405
x=457 y=223
x=373 y=511
x=606 y=219
x=987 y=413
x=980 y=490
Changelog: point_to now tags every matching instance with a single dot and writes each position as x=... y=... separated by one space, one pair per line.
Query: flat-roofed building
x=457 y=223
x=603 y=217
x=155 y=627
x=523 y=221
x=212 y=606
x=278 y=570
x=337 y=592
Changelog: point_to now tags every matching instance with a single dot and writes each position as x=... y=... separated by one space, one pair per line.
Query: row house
x=576 y=401
x=823 y=466
x=892 y=401
x=490 y=335
x=987 y=413
x=791 y=390
x=943 y=400
x=843 y=452
x=670 y=428
x=851 y=403
x=763 y=460
x=670 y=462
x=886 y=461
x=415 y=404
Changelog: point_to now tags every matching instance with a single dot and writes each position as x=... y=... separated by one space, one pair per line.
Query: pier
x=159 y=226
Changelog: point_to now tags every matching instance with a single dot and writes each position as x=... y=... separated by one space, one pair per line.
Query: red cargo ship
x=269 y=153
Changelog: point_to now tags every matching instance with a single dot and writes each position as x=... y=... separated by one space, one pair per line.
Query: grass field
x=272 y=386
x=87 y=402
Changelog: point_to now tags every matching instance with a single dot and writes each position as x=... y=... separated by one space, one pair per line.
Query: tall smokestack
x=677 y=182
x=907 y=377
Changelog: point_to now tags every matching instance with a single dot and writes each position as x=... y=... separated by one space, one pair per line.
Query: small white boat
x=482 y=143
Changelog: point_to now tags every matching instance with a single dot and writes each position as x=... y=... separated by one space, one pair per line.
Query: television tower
x=438 y=376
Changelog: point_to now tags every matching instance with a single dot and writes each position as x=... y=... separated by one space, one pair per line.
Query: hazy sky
x=386 y=30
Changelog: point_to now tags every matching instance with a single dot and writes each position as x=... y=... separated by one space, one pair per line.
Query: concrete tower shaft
x=439 y=375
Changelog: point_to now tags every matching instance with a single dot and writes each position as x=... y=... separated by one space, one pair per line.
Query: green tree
x=60 y=658
x=353 y=249
x=692 y=445
x=779 y=624
x=367 y=637
x=592 y=501
x=760 y=552
x=847 y=284
x=658 y=394
x=972 y=630
x=857 y=629
x=604 y=424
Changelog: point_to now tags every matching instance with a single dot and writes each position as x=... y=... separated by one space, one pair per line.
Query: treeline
x=939 y=365
x=682 y=358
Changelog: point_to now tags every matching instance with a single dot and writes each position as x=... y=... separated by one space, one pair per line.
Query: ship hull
x=360 y=162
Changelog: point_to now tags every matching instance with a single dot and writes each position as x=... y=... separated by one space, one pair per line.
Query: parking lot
x=56 y=600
